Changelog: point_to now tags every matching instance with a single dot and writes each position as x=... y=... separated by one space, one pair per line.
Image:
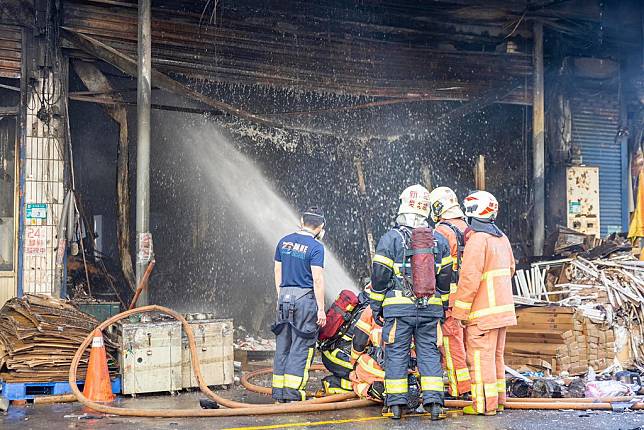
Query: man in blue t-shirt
x=299 y=280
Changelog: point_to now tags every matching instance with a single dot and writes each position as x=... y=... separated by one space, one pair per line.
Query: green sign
x=36 y=211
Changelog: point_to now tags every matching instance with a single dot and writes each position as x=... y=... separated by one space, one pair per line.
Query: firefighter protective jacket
x=388 y=297
x=367 y=345
x=484 y=295
x=456 y=241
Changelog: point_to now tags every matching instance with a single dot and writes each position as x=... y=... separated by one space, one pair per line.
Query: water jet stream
x=234 y=177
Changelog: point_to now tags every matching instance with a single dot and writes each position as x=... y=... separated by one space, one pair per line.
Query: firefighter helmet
x=481 y=205
x=414 y=200
x=444 y=204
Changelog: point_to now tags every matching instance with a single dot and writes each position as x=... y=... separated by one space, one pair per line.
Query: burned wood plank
x=94 y=80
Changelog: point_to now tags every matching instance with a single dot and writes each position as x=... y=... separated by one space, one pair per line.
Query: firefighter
x=337 y=360
x=404 y=315
x=450 y=221
x=299 y=281
x=368 y=356
x=483 y=302
x=337 y=353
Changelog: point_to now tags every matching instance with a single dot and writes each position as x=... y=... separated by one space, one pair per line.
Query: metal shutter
x=595 y=120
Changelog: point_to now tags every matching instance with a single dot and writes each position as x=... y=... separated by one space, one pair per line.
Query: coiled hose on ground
x=513 y=403
x=234 y=408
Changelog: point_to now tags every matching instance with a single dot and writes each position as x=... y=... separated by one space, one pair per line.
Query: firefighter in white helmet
x=450 y=221
x=483 y=302
x=405 y=316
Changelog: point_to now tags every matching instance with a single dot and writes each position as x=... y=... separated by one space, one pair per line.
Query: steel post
x=538 y=143
x=143 y=105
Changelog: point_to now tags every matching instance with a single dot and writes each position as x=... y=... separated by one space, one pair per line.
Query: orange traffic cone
x=98 y=387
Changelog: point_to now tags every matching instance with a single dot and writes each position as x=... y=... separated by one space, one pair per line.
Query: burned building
x=338 y=103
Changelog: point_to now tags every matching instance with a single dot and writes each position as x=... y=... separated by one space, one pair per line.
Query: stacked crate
x=534 y=341
x=554 y=339
x=587 y=344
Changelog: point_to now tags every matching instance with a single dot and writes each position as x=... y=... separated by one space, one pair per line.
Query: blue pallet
x=29 y=390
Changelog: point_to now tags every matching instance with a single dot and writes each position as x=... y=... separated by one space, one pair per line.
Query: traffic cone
x=98 y=387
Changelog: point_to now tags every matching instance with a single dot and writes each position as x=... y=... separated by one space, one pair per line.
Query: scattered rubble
x=251 y=343
x=593 y=302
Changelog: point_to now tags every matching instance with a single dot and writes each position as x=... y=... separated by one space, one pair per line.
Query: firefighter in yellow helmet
x=450 y=221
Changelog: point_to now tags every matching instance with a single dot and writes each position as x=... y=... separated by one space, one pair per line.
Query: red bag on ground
x=338 y=314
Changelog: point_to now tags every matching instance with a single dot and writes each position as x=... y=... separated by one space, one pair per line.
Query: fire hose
x=512 y=403
x=234 y=408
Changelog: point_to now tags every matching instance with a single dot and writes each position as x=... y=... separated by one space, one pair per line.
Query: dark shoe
x=208 y=404
x=283 y=401
x=396 y=412
x=435 y=410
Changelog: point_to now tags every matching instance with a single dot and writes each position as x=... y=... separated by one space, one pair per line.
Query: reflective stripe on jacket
x=484 y=295
x=387 y=297
x=368 y=335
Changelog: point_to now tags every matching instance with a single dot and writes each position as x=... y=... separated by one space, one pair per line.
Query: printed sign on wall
x=36 y=213
x=36 y=240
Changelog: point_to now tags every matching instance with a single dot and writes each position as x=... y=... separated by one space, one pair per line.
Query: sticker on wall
x=574 y=207
x=36 y=212
x=35 y=240
x=144 y=252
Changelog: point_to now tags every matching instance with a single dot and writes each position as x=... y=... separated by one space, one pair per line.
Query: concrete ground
x=71 y=416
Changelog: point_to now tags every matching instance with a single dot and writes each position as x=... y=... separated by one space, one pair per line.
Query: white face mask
x=320 y=235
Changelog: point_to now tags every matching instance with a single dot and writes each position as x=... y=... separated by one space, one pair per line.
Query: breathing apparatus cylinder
x=423 y=269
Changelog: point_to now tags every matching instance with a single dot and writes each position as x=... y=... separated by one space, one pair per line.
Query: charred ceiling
x=368 y=51
x=319 y=48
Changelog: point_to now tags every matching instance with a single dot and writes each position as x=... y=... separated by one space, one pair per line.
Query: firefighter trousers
x=296 y=332
x=338 y=362
x=487 y=368
x=333 y=384
x=368 y=378
x=455 y=358
x=398 y=334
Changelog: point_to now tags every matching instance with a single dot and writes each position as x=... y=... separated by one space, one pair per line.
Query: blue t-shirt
x=298 y=252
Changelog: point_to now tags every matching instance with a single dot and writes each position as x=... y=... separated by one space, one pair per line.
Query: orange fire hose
x=246 y=377
x=572 y=399
x=234 y=408
x=566 y=405
x=143 y=284
x=238 y=408
x=513 y=403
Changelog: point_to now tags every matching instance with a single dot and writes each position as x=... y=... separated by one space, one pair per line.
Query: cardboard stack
x=39 y=337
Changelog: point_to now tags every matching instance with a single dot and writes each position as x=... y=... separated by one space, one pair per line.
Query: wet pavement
x=68 y=416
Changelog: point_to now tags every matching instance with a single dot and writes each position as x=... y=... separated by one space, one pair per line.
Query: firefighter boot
x=435 y=410
x=469 y=410
x=396 y=412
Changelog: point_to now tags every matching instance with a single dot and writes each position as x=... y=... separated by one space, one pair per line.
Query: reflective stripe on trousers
x=398 y=333
x=487 y=368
